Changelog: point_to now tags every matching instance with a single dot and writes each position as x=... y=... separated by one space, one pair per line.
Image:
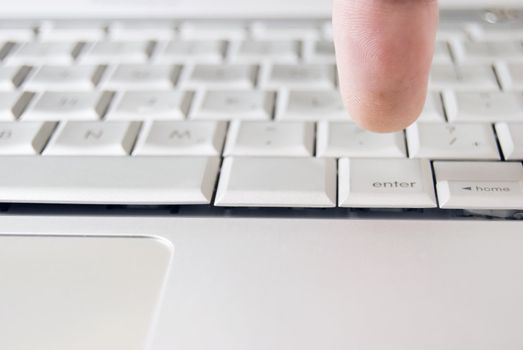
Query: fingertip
x=385 y=112
x=385 y=124
x=384 y=51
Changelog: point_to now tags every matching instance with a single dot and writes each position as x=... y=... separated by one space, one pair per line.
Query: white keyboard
x=247 y=114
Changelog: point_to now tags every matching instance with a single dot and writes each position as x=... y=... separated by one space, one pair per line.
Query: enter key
x=479 y=185
x=385 y=183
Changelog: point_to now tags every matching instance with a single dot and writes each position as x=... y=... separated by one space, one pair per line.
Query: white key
x=106 y=52
x=510 y=76
x=11 y=77
x=499 y=31
x=27 y=138
x=94 y=138
x=281 y=139
x=143 y=105
x=37 y=53
x=467 y=77
x=138 y=76
x=343 y=139
x=483 y=106
x=487 y=51
x=13 y=103
x=233 y=104
x=72 y=31
x=194 y=51
x=182 y=138
x=235 y=76
x=510 y=136
x=267 y=51
x=54 y=105
x=142 y=30
x=442 y=53
x=214 y=30
x=452 y=30
x=385 y=183
x=433 y=109
x=311 y=105
x=479 y=185
x=304 y=76
x=17 y=30
x=286 y=30
x=327 y=30
x=76 y=77
x=319 y=52
x=277 y=182
x=108 y=180
x=452 y=141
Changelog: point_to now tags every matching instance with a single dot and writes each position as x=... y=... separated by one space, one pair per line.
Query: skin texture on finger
x=384 y=51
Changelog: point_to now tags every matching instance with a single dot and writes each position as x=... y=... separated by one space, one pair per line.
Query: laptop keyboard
x=247 y=114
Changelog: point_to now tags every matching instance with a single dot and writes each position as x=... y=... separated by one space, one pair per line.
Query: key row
x=219 y=51
x=473 y=77
x=262 y=139
x=166 y=77
x=263 y=182
x=225 y=104
x=222 y=29
x=48 y=31
x=368 y=183
x=179 y=51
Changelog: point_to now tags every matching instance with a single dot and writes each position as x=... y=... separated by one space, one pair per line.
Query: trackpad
x=81 y=293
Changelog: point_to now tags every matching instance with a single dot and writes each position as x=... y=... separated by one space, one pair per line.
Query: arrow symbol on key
x=467 y=188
